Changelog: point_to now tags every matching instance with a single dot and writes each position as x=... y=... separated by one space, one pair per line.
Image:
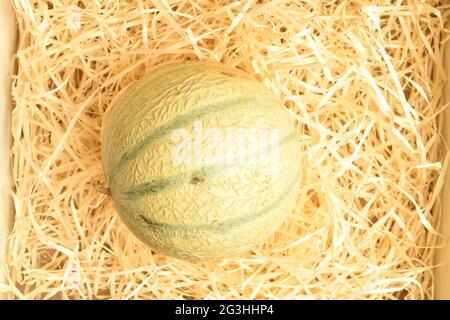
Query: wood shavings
x=364 y=79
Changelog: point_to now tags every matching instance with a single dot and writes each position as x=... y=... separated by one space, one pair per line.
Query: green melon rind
x=177 y=122
x=133 y=160
x=155 y=186
x=220 y=226
x=178 y=242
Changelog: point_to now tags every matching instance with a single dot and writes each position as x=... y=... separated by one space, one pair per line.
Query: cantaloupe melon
x=172 y=156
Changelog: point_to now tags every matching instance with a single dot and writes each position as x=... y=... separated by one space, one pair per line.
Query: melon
x=202 y=161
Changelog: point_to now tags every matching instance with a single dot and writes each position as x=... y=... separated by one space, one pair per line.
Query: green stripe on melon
x=220 y=226
x=175 y=123
x=188 y=210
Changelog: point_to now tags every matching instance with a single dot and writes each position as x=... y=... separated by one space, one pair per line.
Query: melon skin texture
x=197 y=208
